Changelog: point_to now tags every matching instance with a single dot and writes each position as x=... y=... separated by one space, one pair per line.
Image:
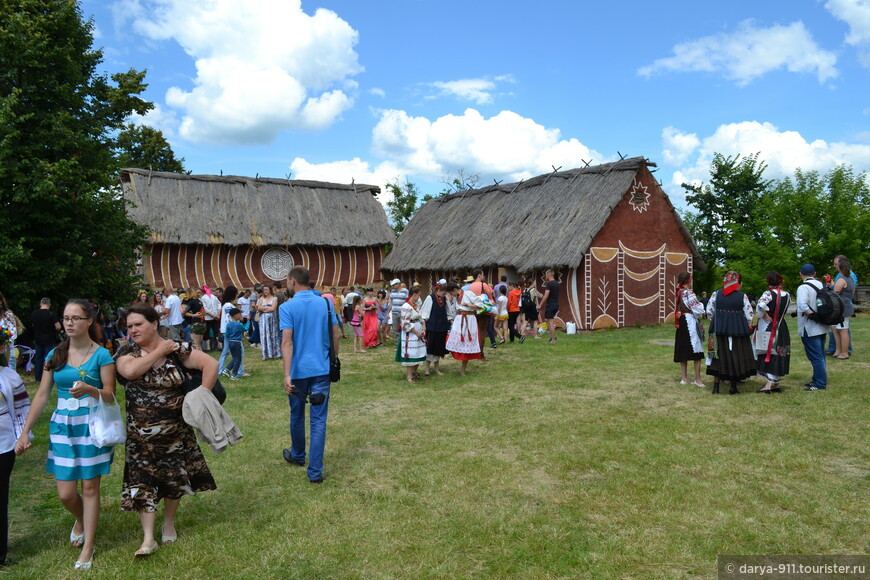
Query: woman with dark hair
x=194 y=316
x=773 y=359
x=163 y=459
x=845 y=287
x=689 y=342
x=383 y=317
x=411 y=347
x=270 y=337
x=83 y=372
x=733 y=358
x=434 y=314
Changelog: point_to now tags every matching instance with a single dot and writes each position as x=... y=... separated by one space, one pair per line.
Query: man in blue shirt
x=305 y=322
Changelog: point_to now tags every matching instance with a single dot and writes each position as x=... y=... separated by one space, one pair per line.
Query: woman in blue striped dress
x=83 y=371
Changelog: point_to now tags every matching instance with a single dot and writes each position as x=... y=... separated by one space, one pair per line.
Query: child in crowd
x=501 y=314
x=356 y=321
x=233 y=335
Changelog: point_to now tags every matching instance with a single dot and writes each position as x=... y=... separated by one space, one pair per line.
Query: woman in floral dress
x=164 y=460
x=270 y=337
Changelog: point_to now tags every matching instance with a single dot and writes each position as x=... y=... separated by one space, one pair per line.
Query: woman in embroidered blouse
x=463 y=341
x=83 y=372
x=411 y=347
x=772 y=308
x=688 y=343
x=731 y=312
x=14 y=406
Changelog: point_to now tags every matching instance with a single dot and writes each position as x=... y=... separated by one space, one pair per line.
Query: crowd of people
x=745 y=339
x=168 y=333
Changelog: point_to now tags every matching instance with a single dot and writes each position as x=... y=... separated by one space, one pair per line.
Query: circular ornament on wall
x=276 y=263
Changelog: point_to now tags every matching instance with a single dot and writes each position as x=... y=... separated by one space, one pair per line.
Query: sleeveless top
x=438 y=317
x=846 y=294
x=729 y=319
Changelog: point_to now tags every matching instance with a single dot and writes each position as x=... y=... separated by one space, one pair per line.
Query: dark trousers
x=39 y=352
x=512 y=323
x=490 y=329
x=236 y=352
x=254 y=336
x=7 y=461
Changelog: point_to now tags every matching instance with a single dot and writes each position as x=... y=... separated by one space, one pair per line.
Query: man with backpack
x=810 y=329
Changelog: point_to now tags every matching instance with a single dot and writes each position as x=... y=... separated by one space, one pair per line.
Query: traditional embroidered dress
x=734 y=358
x=71 y=455
x=463 y=342
x=410 y=350
x=773 y=361
x=688 y=344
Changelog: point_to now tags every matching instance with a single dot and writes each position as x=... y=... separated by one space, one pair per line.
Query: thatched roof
x=547 y=221
x=239 y=211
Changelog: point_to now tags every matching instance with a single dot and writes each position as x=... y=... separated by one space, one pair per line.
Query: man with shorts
x=550 y=303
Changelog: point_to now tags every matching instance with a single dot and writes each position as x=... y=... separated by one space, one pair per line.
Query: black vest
x=438 y=317
x=729 y=319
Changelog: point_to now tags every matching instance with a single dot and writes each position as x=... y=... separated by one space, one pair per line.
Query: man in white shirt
x=211 y=305
x=812 y=333
x=398 y=295
x=174 y=318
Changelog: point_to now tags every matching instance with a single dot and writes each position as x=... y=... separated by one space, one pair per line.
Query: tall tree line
x=744 y=222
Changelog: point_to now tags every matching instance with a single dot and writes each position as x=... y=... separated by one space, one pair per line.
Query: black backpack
x=829 y=306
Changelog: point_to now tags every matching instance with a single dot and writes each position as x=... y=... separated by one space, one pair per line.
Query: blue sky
x=418 y=89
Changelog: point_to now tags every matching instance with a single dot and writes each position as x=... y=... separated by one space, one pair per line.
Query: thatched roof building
x=574 y=221
x=230 y=229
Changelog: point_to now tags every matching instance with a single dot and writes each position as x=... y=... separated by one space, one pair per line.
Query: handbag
x=762 y=339
x=192 y=378
x=334 y=361
x=106 y=425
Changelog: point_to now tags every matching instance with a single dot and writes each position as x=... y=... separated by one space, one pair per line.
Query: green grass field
x=583 y=459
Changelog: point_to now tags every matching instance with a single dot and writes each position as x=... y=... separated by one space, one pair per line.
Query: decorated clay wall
x=219 y=265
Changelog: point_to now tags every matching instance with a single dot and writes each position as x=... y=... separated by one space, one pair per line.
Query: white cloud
x=855 y=13
x=262 y=66
x=749 y=53
x=782 y=151
x=505 y=146
x=355 y=170
x=678 y=146
x=158 y=118
x=478 y=90
x=378 y=92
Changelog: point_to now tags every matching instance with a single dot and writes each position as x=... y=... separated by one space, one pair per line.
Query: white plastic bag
x=106 y=424
x=570 y=328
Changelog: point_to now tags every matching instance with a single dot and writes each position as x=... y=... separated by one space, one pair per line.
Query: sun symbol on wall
x=638 y=196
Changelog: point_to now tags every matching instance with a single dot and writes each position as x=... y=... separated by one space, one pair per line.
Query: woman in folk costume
x=772 y=310
x=689 y=342
x=463 y=342
x=434 y=313
x=733 y=358
x=411 y=347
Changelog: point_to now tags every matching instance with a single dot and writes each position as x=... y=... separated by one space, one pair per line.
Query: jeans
x=39 y=352
x=814 y=346
x=185 y=332
x=223 y=359
x=236 y=351
x=303 y=388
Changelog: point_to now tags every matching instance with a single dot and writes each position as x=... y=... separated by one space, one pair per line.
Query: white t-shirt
x=173 y=305
x=225 y=315
x=245 y=306
x=211 y=304
x=502 y=305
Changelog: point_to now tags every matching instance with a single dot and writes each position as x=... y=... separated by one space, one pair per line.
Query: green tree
x=722 y=206
x=403 y=206
x=810 y=218
x=146 y=148
x=64 y=230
